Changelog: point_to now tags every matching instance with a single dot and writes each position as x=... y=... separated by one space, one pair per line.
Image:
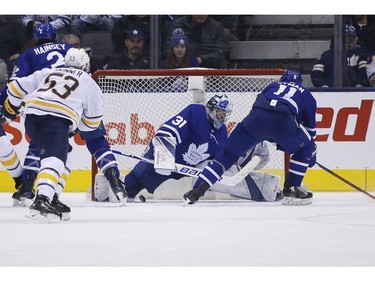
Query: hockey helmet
x=218 y=109
x=77 y=58
x=44 y=31
x=292 y=76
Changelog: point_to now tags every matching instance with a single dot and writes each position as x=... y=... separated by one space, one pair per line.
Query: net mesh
x=136 y=103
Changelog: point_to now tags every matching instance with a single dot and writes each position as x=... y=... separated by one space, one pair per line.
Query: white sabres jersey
x=68 y=93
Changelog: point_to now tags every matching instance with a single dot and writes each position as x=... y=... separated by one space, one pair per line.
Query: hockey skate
x=25 y=192
x=279 y=196
x=61 y=207
x=296 y=195
x=118 y=189
x=42 y=210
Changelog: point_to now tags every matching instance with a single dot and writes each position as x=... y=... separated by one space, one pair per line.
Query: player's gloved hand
x=193 y=195
x=278 y=147
x=72 y=133
x=164 y=172
x=9 y=111
x=3 y=119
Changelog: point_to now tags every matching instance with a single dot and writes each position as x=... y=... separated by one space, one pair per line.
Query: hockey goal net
x=137 y=102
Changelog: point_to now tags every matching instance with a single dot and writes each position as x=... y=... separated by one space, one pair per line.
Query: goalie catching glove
x=9 y=112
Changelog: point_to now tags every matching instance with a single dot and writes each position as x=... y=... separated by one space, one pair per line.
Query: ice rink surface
x=337 y=230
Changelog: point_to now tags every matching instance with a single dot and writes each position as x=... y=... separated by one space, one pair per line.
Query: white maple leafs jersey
x=63 y=92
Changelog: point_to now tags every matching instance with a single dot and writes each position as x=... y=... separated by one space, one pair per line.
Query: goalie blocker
x=164 y=154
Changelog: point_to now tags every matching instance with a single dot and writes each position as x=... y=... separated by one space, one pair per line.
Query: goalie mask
x=77 y=58
x=218 y=110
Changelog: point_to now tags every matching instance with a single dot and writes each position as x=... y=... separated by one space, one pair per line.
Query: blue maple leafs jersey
x=196 y=139
x=49 y=55
x=297 y=98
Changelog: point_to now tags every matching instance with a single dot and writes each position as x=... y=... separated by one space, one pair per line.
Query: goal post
x=137 y=102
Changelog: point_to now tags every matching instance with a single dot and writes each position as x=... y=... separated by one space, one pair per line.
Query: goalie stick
x=345 y=180
x=194 y=172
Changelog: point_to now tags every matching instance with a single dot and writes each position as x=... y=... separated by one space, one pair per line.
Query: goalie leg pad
x=101 y=188
x=239 y=191
x=257 y=186
x=267 y=184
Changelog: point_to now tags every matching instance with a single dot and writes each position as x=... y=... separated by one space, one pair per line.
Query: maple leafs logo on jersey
x=195 y=154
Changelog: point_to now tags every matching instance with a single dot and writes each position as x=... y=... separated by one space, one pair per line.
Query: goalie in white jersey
x=57 y=102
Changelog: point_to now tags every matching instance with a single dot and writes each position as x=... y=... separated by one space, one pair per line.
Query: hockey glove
x=193 y=195
x=9 y=111
x=279 y=147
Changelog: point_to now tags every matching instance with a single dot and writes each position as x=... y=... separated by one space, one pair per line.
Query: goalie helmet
x=44 y=31
x=292 y=76
x=218 y=109
x=77 y=58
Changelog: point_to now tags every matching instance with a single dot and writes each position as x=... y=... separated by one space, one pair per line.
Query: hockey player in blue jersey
x=200 y=132
x=284 y=113
x=50 y=54
x=46 y=54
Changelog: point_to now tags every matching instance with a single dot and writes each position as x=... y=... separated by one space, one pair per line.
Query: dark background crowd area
x=221 y=41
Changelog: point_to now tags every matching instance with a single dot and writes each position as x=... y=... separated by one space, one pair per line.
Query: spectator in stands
x=84 y=23
x=72 y=40
x=178 y=55
x=365 y=28
x=370 y=69
x=355 y=68
x=61 y=23
x=3 y=74
x=230 y=23
x=133 y=57
x=127 y=22
x=95 y=61
x=206 y=37
x=12 y=40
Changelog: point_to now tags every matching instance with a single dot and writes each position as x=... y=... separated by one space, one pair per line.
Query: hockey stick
x=345 y=180
x=194 y=172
